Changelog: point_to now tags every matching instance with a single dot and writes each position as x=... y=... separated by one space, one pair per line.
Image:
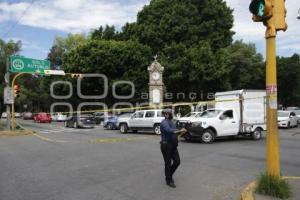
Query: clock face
x=156 y=76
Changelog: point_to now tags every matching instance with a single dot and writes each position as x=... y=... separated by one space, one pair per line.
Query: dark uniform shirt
x=167 y=128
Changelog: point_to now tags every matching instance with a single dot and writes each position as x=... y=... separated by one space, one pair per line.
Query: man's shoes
x=171 y=184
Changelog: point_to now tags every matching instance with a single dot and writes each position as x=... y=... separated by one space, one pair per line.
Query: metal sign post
x=7 y=77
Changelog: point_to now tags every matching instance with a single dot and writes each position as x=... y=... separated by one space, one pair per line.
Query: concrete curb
x=248 y=191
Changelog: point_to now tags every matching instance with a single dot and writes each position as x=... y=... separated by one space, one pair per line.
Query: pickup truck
x=241 y=112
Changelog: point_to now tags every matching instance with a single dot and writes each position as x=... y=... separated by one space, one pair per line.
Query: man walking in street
x=169 y=143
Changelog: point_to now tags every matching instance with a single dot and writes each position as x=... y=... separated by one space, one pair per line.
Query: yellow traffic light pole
x=272 y=151
x=275 y=23
x=13 y=105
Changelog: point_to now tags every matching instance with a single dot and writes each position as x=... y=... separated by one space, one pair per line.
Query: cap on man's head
x=167 y=111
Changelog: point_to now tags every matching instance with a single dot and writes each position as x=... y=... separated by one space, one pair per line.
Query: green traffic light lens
x=261 y=9
x=257 y=7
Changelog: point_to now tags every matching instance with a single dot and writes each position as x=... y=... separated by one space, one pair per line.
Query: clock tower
x=156 y=84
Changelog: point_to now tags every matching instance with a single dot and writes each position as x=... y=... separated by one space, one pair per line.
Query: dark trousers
x=171 y=158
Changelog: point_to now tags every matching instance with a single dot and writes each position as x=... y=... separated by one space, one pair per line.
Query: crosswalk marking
x=65 y=130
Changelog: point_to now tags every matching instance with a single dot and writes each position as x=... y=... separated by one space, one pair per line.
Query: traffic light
x=279 y=15
x=17 y=90
x=261 y=10
x=271 y=12
x=76 y=75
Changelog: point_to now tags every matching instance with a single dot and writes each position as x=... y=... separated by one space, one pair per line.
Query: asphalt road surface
x=60 y=163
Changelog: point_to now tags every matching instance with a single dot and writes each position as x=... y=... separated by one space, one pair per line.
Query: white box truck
x=239 y=112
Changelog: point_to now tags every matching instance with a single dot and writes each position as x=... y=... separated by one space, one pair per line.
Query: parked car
x=297 y=112
x=100 y=117
x=59 y=117
x=292 y=108
x=112 y=122
x=27 y=116
x=42 y=118
x=4 y=115
x=17 y=115
x=287 y=119
x=80 y=121
x=145 y=120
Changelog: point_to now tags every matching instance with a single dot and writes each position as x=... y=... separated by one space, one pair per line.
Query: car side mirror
x=222 y=117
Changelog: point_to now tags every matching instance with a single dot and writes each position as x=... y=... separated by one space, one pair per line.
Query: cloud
x=71 y=15
x=288 y=42
x=83 y=15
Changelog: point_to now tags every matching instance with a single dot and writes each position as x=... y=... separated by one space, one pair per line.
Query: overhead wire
x=19 y=19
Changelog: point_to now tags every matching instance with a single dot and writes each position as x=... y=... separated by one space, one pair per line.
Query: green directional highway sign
x=20 y=64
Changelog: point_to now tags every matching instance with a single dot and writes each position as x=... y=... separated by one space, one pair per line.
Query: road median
x=15 y=133
x=248 y=192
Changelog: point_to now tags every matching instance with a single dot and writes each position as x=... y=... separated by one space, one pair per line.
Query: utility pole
x=7 y=80
x=272 y=13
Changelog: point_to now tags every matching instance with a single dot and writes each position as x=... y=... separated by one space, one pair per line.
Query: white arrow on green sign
x=20 y=64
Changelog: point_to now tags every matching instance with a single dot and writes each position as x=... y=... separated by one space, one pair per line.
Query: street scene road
x=104 y=164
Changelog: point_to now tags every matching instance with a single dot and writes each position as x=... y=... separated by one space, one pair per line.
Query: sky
x=37 y=22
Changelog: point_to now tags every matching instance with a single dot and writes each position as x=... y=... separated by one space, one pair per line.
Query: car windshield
x=283 y=114
x=198 y=115
x=191 y=114
x=210 y=113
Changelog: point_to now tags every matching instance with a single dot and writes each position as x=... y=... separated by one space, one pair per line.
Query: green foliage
x=164 y=22
x=6 y=49
x=273 y=186
x=63 y=45
x=245 y=66
x=289 y=80
x=107 y=33
x=119 y=60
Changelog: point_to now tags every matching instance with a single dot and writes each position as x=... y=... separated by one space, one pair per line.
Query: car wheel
x=157 y=129
x=110 y=126
x=123 y=128
x=188 y=139
x=66 y=124
x=208 y=136
x=257 y=134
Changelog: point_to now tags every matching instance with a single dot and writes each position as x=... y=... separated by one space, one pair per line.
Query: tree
x=63 y=45
x=164 y=22
x=245 y=66
x=107 y=33
x=6 y=49
x=118 y=60
x=289 y=80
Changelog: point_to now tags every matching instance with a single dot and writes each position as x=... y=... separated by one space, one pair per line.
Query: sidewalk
x=248 y=192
